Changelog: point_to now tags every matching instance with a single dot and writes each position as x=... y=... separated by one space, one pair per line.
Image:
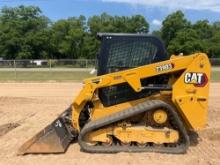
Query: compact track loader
x=141 y=100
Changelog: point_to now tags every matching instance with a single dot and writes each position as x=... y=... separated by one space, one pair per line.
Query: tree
x=216 y=26
x=113 y=24
x=214 y=46
x=90 y=46
x=138 y=24
x=203 y=29
x=67 y=37
x=107 y=23
x=172 y=24
x=187 y=41
x=157 y=33
x=24 y=33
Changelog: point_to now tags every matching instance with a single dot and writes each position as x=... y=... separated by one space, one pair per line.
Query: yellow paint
x=142 y=135
x=191 y=101
x=101 y=135
x=160 y=116
x=139 y=134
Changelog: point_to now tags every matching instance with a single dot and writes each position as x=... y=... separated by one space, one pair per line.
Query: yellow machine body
x=186 y=100
x=189 y=94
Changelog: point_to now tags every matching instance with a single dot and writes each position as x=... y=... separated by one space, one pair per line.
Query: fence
x=68 y=69
x=63 y=63
x=66 y=63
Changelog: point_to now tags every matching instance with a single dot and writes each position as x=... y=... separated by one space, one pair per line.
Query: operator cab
x=121 y=51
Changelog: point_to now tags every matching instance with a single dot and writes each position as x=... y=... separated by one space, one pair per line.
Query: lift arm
x=133 y=76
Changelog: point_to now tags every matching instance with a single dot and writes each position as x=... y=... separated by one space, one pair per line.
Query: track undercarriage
x=135 y=130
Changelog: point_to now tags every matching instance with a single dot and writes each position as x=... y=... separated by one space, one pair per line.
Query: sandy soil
x=31 y=106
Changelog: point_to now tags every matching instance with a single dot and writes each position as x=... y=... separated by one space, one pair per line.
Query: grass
x=43 y=75
x=59 y=75
x=215 y=76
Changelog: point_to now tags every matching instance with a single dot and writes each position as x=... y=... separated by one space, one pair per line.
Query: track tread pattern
x=129 y=112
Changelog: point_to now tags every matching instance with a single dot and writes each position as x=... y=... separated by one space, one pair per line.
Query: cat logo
x=198 y=79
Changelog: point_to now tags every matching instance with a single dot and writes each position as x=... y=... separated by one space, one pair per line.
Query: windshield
x=127 y=54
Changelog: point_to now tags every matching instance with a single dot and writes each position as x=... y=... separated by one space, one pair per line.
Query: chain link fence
x=66 y=69
x=65 y=63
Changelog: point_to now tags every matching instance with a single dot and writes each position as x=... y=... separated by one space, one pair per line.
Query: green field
x=43 y=75
x=58 y=75
x=215 y=76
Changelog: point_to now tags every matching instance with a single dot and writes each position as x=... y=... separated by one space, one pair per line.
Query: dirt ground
x=26 y=108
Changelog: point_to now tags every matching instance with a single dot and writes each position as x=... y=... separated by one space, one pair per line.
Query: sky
x=153 y=10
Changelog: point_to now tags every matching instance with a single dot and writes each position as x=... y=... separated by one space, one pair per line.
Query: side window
x=129 y=54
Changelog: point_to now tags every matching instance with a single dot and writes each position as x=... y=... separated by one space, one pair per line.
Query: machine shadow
x=194 y=138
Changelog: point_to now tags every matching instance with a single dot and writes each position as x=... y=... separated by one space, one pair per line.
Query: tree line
x=25 y=33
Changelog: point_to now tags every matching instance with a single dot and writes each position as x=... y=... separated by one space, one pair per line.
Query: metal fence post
x=50 y=67
x=15 y=70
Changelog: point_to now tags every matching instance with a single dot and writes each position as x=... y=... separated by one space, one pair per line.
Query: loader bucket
x=55 y=138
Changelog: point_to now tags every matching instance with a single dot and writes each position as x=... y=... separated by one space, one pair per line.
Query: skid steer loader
x=141 y=100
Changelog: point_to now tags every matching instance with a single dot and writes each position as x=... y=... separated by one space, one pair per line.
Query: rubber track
x=129 y=112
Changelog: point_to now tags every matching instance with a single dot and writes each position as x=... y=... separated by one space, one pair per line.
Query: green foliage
x=204 y=29
x=107 y=23
x=113 y=24
x=172 y=24
x=90 y=46
x=157 y=33
x=186 y=42
x=67 y=37
x=181 y=36
x=214 y=45
x=25 y=33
